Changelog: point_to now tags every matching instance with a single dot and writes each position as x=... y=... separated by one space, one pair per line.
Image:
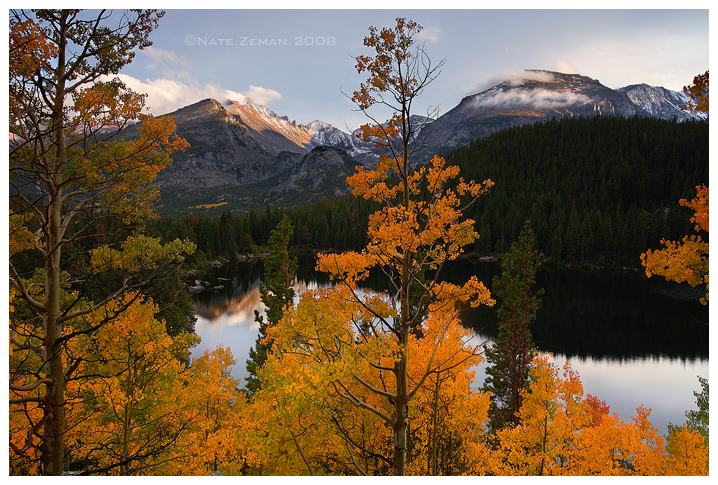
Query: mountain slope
x=659 y=102
x=537 y=96
x=300 y=180
x=328 y=135
x=322 y=171
x=222 y=149
x=272 y=132
x=277 y=134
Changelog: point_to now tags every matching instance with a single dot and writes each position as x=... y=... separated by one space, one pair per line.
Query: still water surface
x=633 y=340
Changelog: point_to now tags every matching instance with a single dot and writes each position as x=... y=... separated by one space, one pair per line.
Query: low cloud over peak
x=536 y=97
x=515 y=78
x=565 y=67
x=520 y=77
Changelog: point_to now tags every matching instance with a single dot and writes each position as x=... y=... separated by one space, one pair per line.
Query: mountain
x=222 y=149
x=324 y=170
x=239 y=144
x=251 y=149
x=326 y=134
x=272 y=132
x=364 y=152
x=276 y=133
x=659 y=102
x=543 y=95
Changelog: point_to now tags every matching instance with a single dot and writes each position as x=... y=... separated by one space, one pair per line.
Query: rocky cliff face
x=272 y=132
x=277 y=134
x=323 y=170
x=659 y=102
x=327 y=135
x=222 y=149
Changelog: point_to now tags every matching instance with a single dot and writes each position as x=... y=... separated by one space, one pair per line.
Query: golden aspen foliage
x=419 y=228
x=688 y=453
x=687 y=260
x=562 y=433
x=324 y=386
x=129 y=414
x=698 y=92
x=70 y=174
x=213 y=410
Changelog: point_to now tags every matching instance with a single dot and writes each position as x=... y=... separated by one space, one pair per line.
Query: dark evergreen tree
x=697 y=420
x=228 y=238
x=513 y=348
x=277 y=292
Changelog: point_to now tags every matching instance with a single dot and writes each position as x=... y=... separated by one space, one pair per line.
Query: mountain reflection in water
x=242 y=305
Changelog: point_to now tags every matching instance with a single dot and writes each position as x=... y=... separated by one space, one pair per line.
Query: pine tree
x=277 y=292
x=229 y=240
x=696 y=420
x=513 y=349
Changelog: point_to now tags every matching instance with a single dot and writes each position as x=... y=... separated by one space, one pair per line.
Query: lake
x=633 y=340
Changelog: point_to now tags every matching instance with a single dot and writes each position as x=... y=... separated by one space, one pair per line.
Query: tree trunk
x=54 y=369
x=54 y=405
x=401 y=416
x=401 y=406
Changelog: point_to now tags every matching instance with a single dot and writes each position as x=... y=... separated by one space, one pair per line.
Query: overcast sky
x=257 y=53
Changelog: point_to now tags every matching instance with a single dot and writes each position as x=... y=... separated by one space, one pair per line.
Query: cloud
x=174 y=88
x=260 y=95
x=515 y=78
x=168 y=64
x=518 y=77
x=165 y=57
x=430 y=34
x=538 y=98
x=167 y=95
x=565 y=67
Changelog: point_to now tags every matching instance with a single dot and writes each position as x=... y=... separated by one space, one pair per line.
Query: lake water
x=633 y=340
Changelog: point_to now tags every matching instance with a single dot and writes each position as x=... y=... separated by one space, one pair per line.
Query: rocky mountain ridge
x=236 y=144
x=544 y=95
x=659 y=102
x=273 y=132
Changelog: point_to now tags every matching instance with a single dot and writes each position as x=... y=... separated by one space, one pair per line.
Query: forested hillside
x=597 y=191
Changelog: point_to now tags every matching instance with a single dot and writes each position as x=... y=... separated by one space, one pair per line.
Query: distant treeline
x=598 y=191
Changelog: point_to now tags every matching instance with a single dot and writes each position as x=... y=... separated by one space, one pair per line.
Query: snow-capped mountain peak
x=660 y=102
x=275 y=133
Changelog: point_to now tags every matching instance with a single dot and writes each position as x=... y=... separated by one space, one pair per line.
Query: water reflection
x=218 y=307
x=245 y=303
x=601 y=314
x=631 y=339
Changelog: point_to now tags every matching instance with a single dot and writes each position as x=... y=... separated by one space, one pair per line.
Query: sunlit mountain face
x=273 y=132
